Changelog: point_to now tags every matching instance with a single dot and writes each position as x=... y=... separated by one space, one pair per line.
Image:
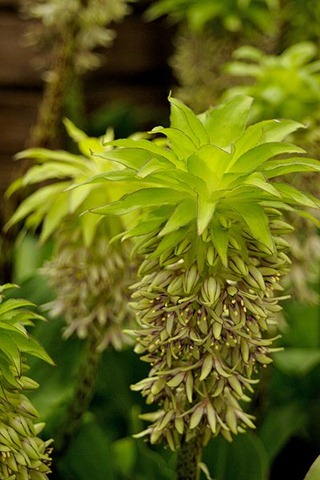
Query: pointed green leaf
x=133 y=157
x=275 y=168
x=146 y=197
x=77 y=195
x=182 y=215
x=220 y=240
x=45 y=155
x=41 y=200
x=169 y=241
x=31 y=346
x=13 y=304
x=74 y=132
x=144 y=228
x=205 y=211
x=89 y=224
x=57 y=212
x=227 y=122
x=292 y=195
x=114 y=175
x=154 y=165
x=257 y=221
x=251 y=138
x=259 y=181
x=209 y=163
x=10 y=349
x=145 y=148
x=179 y=142
x=252 y=159
x=278 y=130
x=52 y=170
x=184 y=119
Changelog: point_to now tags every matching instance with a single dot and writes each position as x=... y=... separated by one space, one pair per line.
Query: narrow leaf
x=183 y=118
x=255 y=157
x=292 y=195
x=209 y=163
x=147 y=197
x=205 y=211
x=57 y=212
x=220 y=240
x=182 y=215
x=154 y=165
x=227 y=122
x=180 y=143
x=41 y=199
x=275 y=168
x=169 y=241
x=257 y=221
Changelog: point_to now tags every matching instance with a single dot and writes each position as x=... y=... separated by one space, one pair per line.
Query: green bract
x=210 y=232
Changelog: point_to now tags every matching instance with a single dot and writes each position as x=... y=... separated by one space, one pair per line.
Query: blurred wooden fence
x=134 y=70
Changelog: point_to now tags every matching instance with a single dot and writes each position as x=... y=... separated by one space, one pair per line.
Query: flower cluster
x=202 y=332
x=93 y=296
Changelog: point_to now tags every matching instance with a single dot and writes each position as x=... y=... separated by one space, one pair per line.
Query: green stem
x=189 y=457
x=82 y=395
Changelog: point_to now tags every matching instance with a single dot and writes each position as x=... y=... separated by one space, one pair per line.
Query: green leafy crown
x=212 y=173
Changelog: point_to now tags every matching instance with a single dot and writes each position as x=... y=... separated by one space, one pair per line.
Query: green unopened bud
x=237 y=265
x=175 y=286
x=190 y=279
x=210 y=291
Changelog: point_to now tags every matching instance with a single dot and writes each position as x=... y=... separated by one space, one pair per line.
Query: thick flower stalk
x=212 y=238
x=23 y=453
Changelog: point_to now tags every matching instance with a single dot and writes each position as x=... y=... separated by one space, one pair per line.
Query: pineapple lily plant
x=89 y=276
x=211 y=234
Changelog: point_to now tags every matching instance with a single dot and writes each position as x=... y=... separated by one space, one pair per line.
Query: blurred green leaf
x=124 y=456
x=279 y=425
x=245 y=458
x=297 y=361
x=90 y=454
